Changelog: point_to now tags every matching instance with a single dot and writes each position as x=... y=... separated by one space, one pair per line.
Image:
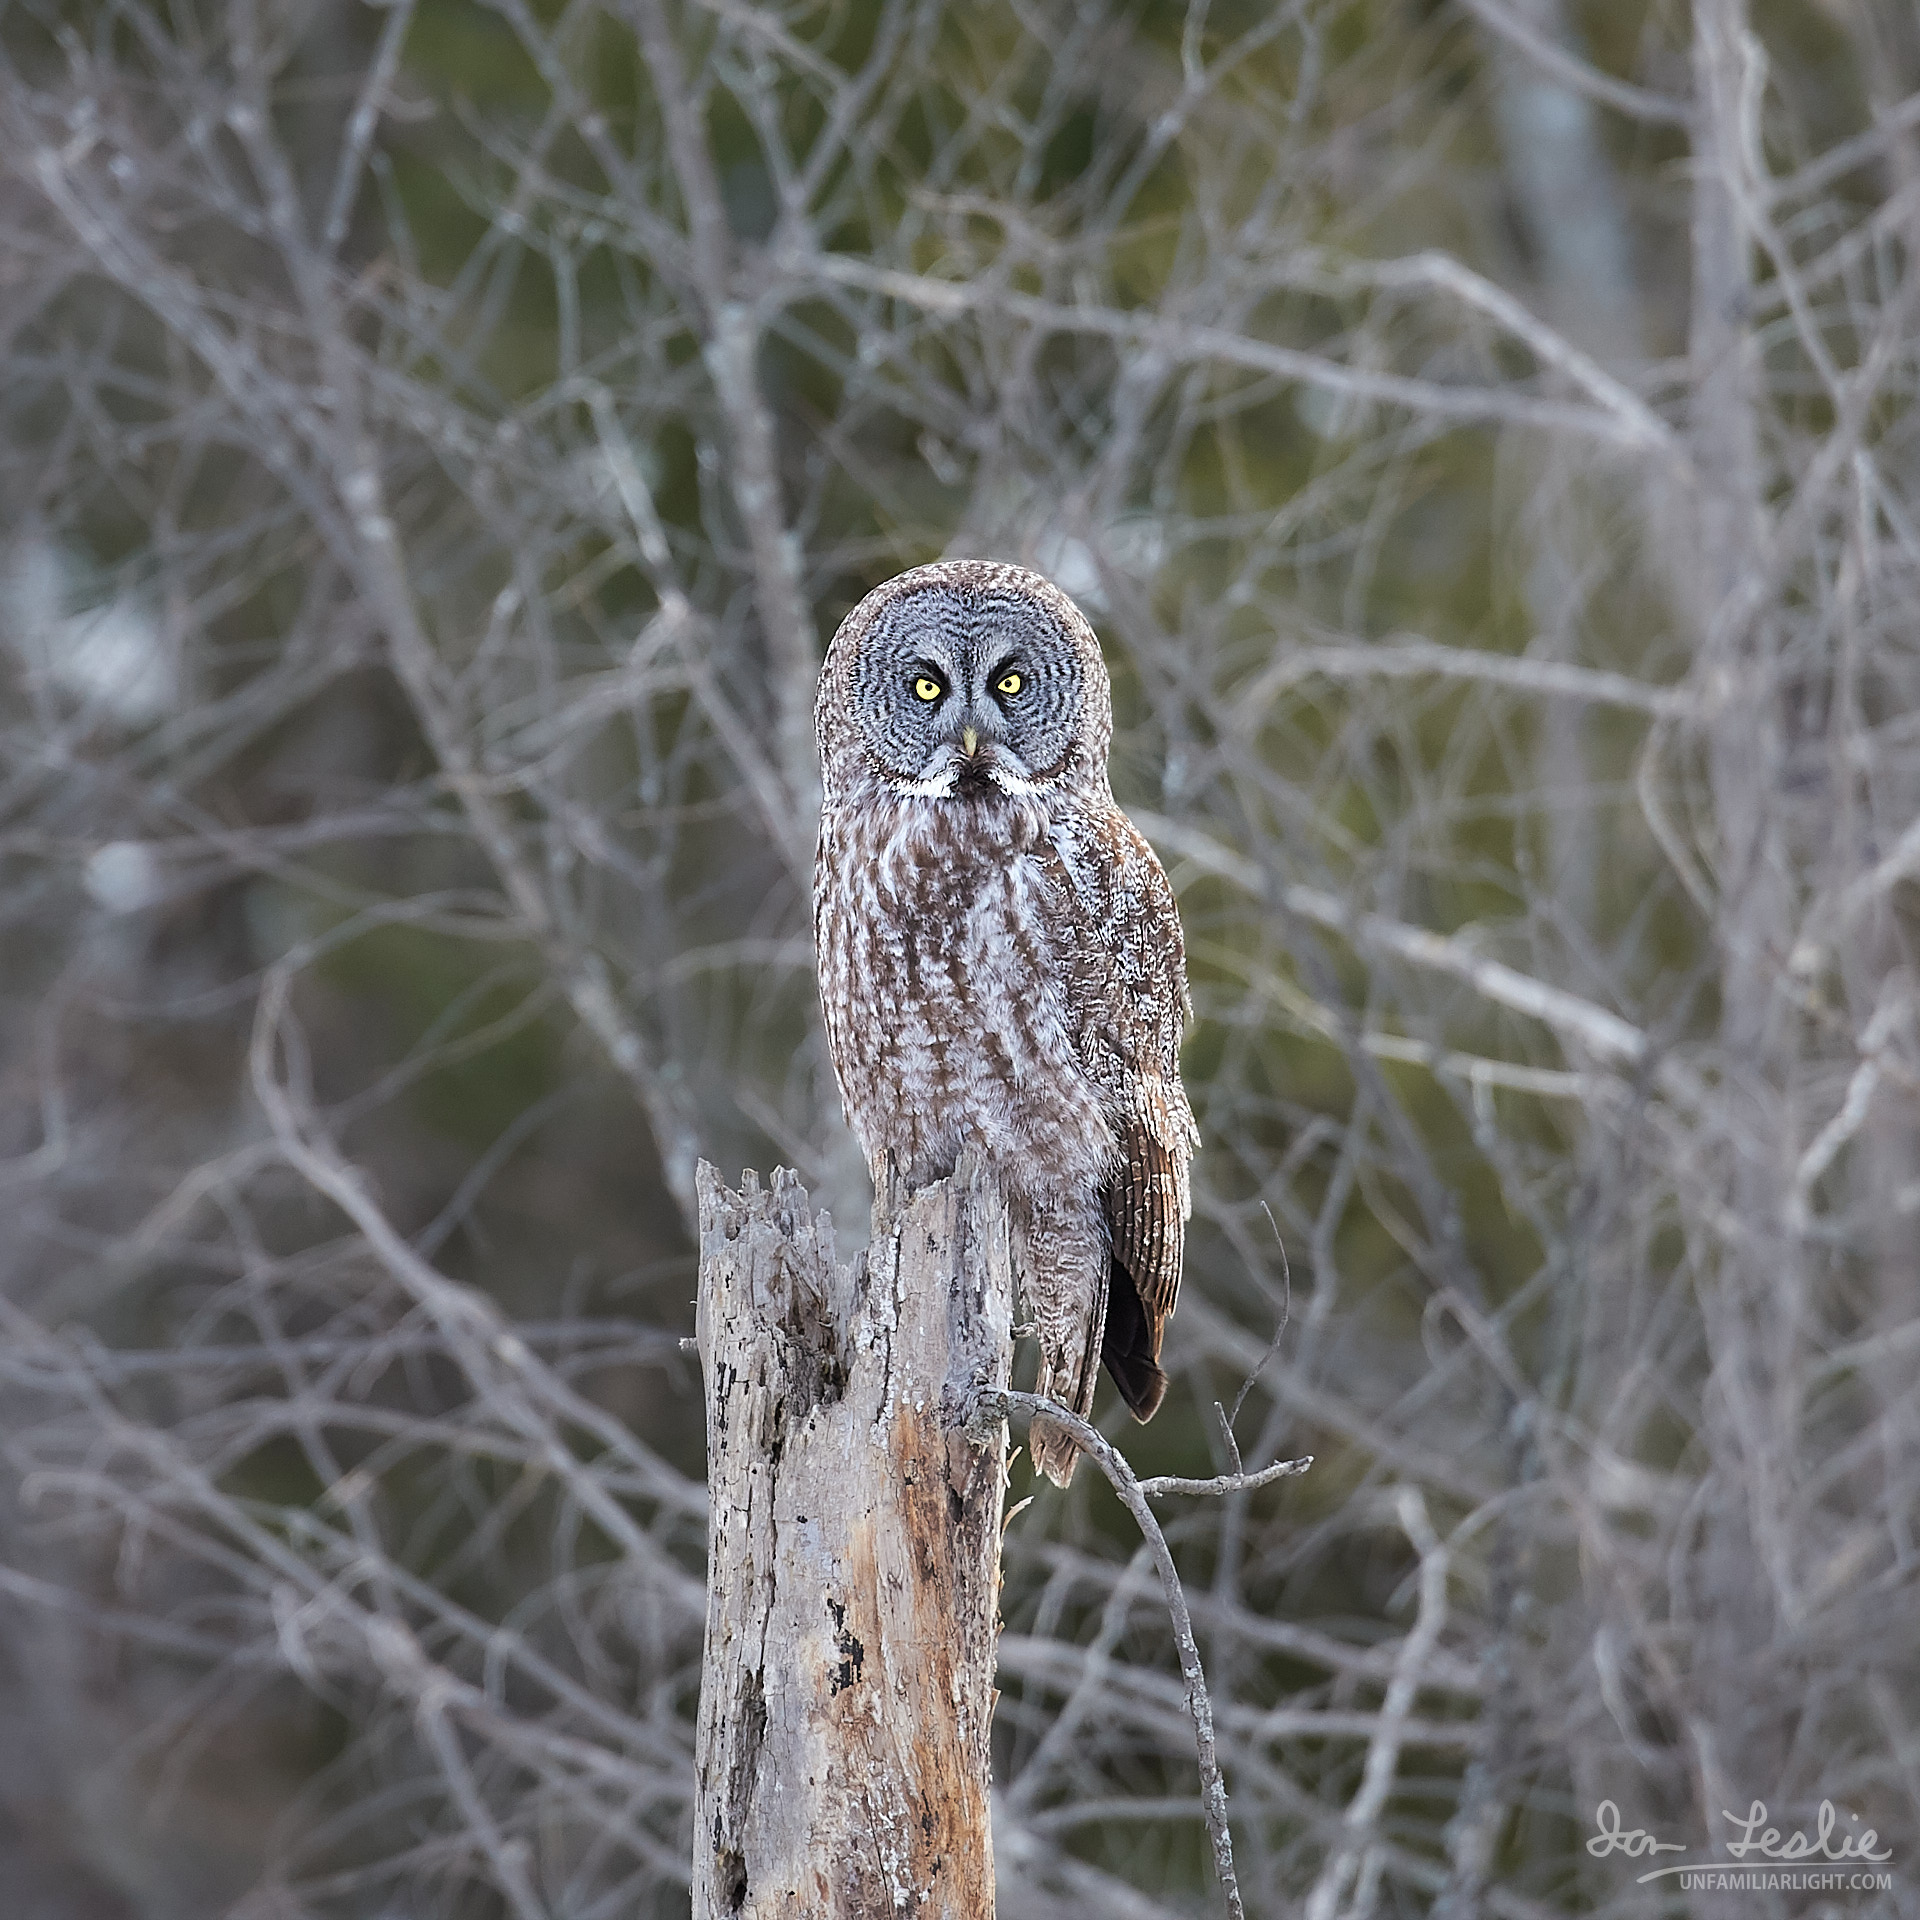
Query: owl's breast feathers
x=1020 y=981
x=948 y=1012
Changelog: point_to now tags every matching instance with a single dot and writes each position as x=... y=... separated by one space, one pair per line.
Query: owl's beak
x=970 y=740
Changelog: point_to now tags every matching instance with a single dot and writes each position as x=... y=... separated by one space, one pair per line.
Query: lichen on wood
x=853 y=1555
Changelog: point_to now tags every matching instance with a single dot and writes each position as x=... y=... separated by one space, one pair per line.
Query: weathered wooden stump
x=853 y=1554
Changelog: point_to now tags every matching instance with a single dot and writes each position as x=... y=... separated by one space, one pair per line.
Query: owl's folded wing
x=1117 y=937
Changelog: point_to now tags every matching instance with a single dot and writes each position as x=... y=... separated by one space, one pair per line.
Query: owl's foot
x=1053 y=1450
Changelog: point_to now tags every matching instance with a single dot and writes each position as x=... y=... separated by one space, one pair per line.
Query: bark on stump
x=853 y=1554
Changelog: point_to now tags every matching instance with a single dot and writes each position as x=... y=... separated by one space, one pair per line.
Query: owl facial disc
x=964 y=683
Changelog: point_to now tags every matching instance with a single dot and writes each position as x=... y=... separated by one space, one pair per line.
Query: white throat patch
x=940 y=785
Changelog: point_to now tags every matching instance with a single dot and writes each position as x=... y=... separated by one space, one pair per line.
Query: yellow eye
x=928 y=688
x=1009 y=684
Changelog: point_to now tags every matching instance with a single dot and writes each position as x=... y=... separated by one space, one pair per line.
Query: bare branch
x=987 y=1408
x=1636 y=102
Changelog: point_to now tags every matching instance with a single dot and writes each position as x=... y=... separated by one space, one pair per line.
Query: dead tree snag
x=853 y=1557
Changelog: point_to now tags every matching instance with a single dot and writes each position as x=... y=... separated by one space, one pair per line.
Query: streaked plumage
x=1000 y=954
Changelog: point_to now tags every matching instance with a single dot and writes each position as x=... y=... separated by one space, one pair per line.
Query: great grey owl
x=1000 y=955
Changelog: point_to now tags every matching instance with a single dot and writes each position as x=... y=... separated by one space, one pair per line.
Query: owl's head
x=960 y=679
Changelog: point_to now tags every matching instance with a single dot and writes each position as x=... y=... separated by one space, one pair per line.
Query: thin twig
x=1221 y=1483
x=1583 y=77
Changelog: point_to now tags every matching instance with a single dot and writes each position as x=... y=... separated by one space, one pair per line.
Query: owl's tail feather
x=1071 y=1383
x=1054 y=1453
x=1128 y=1347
